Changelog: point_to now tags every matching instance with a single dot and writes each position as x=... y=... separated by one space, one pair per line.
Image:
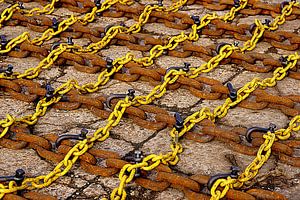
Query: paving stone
x=25 y=159
x=248 y=118
x=13 y=107
x=119 y=146
x=170 y=194
x=131 y=132
x=94 y=190
x=180 y=98
x=61 y=191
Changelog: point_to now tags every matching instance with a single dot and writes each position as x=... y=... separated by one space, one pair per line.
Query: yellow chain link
x=62 y=26
x=103 y=78
x=221 y=111
x=8 y=12
x=82 y=146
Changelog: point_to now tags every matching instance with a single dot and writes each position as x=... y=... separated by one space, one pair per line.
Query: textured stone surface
x=206 y=158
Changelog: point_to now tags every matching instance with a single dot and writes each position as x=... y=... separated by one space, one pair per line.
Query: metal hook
x=21 y=5
x=283 y=60
x=219 y=46
x=70 y=41
x=49 y=91
x=160 y=3
x=98 y=3
x=114 y=96
x=55 y=24
x=8 y=71
x=233 y=174
x=252 y=27
x=236 y=3
x=196 y=19
x=266 y=22
x=249 y=132
x=184 y=68
x=232 y=92
x=3 y=41
x=137 y=157
x=109 y=64
x=55 y=45
x=283 y=4
x=179 y=122
x=81 y=136
x=18 y=177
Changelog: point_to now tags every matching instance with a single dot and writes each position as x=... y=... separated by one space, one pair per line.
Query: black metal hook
x=130 y=94
x=236 y=3
x=97 y=3
x=283 y=4
x=283 y=60
x=184 y=68
x=3 y=41
x=220 y=45
x=267 y=22
x=160 y=3
x=233 y=174
x=196 y=19
x=249 y=132
x=8 y=71
x=80 y=136
x=55 y=24
x=137 y=157
x=18 y=177
x=232 y=91
x=179 y=122
x=109 y=64
x=70 y=41
x=49 y=92
x=55 y=45
x=21 y=5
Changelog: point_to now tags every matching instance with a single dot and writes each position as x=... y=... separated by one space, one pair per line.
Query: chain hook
x=21 y=5
x=3 y=41
x=109 y=64
x=283 y=60
x=80 y=136
x=18 y=177
x=236 y=3
x=179 y=122
x=233 y=174
x=55 y=24
x=49 y=92
x=130 y=94
x=160 y=3
x=249 y=132
x=8 y=71
x=137 y=157
x=184 y=68
x=232 y=92
x=220 y=45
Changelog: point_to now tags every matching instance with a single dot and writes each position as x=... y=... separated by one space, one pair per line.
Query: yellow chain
x=221 y=111
x=152 y=161
x=8 y=12
x=262 y=156
x=104 y=76
x=81 y=147
x=64 y=25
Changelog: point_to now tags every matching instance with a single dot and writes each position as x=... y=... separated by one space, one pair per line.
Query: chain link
x=8 y=12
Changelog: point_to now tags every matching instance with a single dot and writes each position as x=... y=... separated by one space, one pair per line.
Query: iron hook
x=18 y=177
x=232 y=92
x=179 y=122
x=130 y=94
x=80 y=136
x=249 y=132
x=233 y=174
x=184 y=68
x=8 y=71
